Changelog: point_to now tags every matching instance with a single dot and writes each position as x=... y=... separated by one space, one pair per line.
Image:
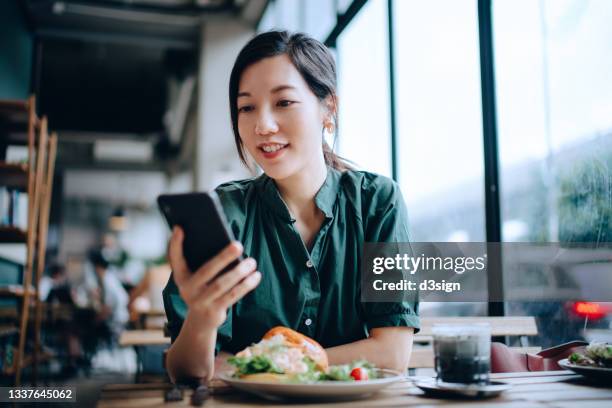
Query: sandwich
x=284 y=355
x=281 y=354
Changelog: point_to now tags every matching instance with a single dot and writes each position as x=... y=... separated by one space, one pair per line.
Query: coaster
x=441 y=389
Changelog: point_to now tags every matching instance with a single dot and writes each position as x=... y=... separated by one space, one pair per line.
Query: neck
x=299 y=190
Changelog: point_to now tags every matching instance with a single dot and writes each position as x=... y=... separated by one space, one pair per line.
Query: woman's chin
x=279 y=171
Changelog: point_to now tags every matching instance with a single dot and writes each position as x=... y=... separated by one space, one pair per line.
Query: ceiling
x=164 y=20
x=102 y=69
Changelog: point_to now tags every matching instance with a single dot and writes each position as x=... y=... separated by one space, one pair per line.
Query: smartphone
x=205 y=227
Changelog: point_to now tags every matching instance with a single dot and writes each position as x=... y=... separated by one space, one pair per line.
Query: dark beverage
x=463 y=353
x=463 y=369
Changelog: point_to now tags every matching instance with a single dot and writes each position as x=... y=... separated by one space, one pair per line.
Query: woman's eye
x=246 y=108
x=284 y=103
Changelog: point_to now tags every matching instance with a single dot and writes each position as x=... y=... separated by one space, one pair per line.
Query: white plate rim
x=394 y=376
x=565 y=363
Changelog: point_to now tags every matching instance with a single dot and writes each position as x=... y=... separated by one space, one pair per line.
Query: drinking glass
x=462 y=353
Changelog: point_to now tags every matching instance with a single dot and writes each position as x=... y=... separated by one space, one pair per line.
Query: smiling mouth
x=272 y=148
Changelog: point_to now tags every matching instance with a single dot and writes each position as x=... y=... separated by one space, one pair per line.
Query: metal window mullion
x=491 y=170
x=392 y=98
x=343 y=21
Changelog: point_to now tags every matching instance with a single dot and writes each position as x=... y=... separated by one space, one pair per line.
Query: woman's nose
x=266 y=124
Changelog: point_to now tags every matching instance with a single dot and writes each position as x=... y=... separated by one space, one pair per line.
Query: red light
x=589 y=309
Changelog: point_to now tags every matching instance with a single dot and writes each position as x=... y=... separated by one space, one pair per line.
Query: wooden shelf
x=13 y=105
x=12 y=235
x=6 y=331
x=13 y=134
x=28 y=360
x=18 y=119
x=14 y=290
x=14 y=111
x=14 y=175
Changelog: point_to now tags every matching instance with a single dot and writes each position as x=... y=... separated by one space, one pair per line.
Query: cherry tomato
x=359 y=374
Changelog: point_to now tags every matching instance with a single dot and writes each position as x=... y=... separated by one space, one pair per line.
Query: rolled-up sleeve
x=400 y=314
x=387 y=222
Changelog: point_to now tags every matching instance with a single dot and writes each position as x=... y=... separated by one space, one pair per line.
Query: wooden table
x=152 y=319
x=139 y=339
x=542 y=389
x=143 y=338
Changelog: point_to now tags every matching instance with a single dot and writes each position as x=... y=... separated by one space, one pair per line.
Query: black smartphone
x=205 y=227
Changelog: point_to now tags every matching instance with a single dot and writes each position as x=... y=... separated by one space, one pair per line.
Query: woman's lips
x=273 y=154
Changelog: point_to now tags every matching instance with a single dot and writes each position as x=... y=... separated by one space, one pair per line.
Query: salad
x=284 y=355
x=595 y=355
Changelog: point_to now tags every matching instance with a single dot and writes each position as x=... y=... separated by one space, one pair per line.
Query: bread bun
x=308 y=346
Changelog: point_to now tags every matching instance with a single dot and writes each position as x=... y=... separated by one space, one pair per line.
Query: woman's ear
x=331 y=105
x=330 y=111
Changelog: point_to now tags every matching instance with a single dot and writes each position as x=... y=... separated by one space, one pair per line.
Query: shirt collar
x=326 y=196
x=324 y=199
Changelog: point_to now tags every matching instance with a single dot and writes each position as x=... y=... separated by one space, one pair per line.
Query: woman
x=304 y=220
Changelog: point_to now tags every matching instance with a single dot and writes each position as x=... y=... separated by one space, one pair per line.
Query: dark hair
x=56 y=269
x=313 y=61
x=97 y=259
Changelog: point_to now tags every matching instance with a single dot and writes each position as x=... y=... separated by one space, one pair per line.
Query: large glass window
x=315 y=17
x=288 y=14
x=319 y=18
x=554 y=104
x=363 y=75
x=439 y=126
x=282 y=14
x=439 y=122
x=343 y=5
x=554 y=98
x=268 y=18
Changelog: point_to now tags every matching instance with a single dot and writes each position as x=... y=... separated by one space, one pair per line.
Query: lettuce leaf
x=253 y=365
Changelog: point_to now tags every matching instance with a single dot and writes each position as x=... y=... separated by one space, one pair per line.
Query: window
x=554 y=104
x=343 y=5
x=319 y=18
x=439 y=127
x=314 y=17
x=268 y=18
x=363 y=75
x=554 y=98
x=438 y=116
x=288 y=15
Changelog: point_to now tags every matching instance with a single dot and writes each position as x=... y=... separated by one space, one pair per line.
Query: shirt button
x=308 y=322
x=309 y=264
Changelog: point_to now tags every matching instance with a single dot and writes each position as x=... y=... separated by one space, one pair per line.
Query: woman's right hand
x=207 y=295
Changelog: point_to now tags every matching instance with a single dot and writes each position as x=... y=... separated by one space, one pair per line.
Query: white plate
x=601 y=374
x=319 y=390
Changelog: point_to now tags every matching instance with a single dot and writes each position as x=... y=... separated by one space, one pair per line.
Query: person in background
x=64 y=333
x=112 y=251
x=54 y=286
x=110 y=299
x=128 y=270
x=147 y=295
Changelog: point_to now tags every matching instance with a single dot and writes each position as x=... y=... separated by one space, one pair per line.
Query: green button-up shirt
x=316 y=293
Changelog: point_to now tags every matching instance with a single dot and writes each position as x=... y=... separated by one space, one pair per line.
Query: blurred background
x=495 y=118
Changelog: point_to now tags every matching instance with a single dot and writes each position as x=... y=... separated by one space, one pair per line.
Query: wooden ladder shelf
x=35 y=178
